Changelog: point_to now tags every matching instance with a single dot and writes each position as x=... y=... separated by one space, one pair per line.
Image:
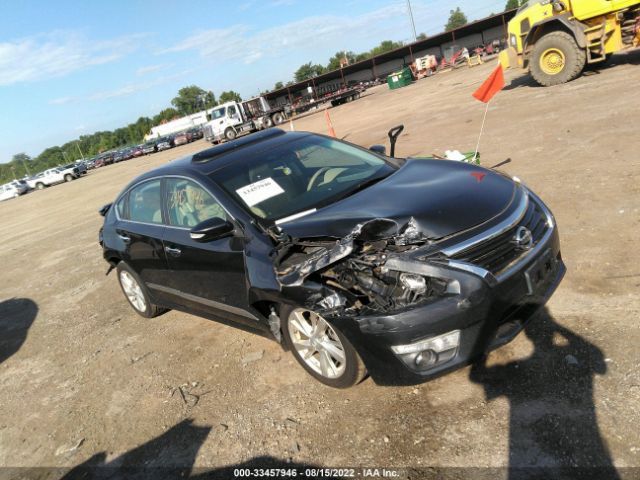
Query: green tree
x=422 y=36
x=278 y=86
x=20 y=157
x=229 y=96
x=385 y=46
x=166 y=115
x=457 y=19
x=307 y=71
x=193 y=99
x=511 y=4
x=334 y=62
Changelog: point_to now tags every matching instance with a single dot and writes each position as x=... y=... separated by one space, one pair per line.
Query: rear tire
x=343 y=367
x=556 y=59
x=136 y=292
x=68 y=177
x=277 y=118
x=39 y=186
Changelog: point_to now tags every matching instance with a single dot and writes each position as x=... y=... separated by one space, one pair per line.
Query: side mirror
x=380 y=149
x=211 y=229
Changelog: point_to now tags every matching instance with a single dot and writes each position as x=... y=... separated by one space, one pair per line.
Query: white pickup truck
x=51 y=177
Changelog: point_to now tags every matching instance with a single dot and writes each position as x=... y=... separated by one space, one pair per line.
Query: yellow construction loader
x=556 y=39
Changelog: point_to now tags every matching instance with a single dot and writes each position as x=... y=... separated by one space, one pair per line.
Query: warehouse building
x=472 y=35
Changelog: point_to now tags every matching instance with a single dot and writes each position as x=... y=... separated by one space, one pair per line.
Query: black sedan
x=355 y=261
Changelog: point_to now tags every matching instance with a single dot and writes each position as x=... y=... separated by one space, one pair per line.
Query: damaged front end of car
x=404 y=299
x=354 y=271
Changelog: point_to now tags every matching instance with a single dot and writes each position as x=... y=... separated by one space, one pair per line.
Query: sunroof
x=211 y=153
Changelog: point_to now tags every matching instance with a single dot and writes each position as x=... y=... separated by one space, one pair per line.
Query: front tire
x=320 y=348
x=136 y=293
x=556 y=59
x=68 y=177
x=230 y=134
x=39 y=186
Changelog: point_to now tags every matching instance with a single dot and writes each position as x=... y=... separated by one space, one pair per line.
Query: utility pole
x=413 y=25
x=81 y=154
x=26 y=168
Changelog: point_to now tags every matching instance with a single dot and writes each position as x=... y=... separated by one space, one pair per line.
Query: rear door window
x=144 y=203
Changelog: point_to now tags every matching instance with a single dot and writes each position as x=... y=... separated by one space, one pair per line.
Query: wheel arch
x=559 y=23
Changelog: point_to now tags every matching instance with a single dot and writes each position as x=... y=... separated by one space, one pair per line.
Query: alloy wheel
x=133 y=291
x=317 y=343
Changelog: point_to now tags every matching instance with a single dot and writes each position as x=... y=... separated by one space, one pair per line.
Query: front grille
x=497 y=253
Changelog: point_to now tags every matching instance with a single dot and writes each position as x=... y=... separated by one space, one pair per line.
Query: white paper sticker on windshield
x=260 y=191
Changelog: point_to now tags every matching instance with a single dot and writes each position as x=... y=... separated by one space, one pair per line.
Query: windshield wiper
x=363 y=185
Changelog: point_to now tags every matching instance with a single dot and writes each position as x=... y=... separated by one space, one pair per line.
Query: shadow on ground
x=553 y=429
x=16 y=317
x=170 y=456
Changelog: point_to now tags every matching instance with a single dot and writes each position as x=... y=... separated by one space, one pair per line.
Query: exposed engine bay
x=355 y=268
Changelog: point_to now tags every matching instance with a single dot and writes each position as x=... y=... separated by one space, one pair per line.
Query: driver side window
x=188 y=204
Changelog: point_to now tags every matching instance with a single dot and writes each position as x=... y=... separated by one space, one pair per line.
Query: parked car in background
x=149 y=147
x=90 y=163
x=22 y=183
x=164 y=144
x=194 y=134
x=79 y=167
x=355 y=261
x=69 y=172
x=180 y=139
x=49 y=177
x=12 y=190
x=119 y=156
x=136 y=151
x=107 y=158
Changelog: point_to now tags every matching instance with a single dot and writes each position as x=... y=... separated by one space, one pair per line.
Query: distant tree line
x=189 y=100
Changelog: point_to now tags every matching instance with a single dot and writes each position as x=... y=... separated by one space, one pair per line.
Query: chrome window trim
x=497 y=230
x=160 y=177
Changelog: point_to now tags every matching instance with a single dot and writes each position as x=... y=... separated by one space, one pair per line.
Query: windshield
x=300 y=176
x=218 y=113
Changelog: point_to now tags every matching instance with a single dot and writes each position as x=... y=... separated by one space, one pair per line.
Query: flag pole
x=484 y=118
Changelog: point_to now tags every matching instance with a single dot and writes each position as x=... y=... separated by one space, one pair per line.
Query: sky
x=70 y=68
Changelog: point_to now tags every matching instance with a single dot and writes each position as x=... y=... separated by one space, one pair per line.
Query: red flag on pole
x=491 y=85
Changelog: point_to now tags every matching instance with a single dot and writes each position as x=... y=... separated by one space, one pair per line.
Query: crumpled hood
x=442 y=196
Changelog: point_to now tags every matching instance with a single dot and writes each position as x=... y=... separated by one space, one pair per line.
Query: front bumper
x=488 y=312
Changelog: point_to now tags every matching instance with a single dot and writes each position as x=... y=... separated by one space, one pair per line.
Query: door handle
x=173 y=251
x=124 y=238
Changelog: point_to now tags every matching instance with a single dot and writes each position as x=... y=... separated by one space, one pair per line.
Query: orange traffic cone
x=332 y=132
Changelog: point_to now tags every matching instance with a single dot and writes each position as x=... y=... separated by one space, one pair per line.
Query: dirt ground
x=85 y=381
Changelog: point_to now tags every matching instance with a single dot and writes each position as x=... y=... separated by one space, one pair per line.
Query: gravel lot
x=84 y=380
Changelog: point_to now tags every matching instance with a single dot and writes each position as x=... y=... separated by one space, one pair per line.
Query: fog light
x=426 y=358
x=430 y=352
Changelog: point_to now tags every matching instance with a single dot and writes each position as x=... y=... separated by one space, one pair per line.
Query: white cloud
x=62 y=100
x=150 y=69
x=240 y=43
x=58 y=54
x=123 y=91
